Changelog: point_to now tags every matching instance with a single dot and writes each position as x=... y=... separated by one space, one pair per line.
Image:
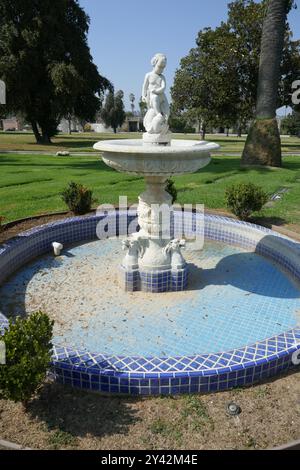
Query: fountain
x=154 y=262
x=236 y=322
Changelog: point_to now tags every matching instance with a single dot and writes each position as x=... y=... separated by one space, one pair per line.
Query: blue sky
x=125 y=34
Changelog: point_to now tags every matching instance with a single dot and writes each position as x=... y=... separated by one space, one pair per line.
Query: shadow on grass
x=220 y=164
x=268 y=221
x=68 y=163
x=81 y=413
x=223 y=164
x=76 y=144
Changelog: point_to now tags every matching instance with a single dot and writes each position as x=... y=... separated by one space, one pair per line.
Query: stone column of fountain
x=153 y=260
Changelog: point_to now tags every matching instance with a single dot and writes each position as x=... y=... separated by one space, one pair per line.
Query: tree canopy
x=217 y=81
x=113 y=113
x=291 y=124
x=46 y=63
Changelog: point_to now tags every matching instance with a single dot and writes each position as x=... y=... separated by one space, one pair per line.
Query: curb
x=11 y=446
x=294 y=445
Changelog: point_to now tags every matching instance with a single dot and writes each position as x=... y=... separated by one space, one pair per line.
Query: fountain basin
x=208 y=369
x=132 y=156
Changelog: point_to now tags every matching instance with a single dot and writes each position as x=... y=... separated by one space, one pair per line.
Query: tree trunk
x=263 y=145
x=203 y=131
x=45 y=137
x=36 y=132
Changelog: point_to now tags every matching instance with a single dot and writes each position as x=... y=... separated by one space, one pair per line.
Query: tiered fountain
x=154 y=262
x=236 y=321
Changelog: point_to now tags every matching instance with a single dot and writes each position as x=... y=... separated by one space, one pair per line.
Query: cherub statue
x=153 y=94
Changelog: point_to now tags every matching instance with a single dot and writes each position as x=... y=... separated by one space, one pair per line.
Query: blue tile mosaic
x=165 y=375
x=155 y=281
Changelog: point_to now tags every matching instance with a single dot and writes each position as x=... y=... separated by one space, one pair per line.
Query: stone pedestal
x=153 y=262
x=157 y=139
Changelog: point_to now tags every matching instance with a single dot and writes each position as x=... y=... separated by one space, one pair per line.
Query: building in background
x=12 y=124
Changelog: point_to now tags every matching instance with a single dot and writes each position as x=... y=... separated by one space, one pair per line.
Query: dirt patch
x=62 y=418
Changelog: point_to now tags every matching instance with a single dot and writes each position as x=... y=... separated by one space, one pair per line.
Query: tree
x=206 y=84
x=245 y=20
x=217 y=81
x=291 y=124
x=46 y=63
x=132 y=100
x=263 y=145
x=113 y=113
x=143 y=107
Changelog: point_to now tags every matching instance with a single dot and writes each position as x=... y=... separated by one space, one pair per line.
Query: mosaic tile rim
x=241 y=366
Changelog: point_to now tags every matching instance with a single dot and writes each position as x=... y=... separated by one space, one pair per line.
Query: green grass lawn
x=84 y=142
x=30 y=184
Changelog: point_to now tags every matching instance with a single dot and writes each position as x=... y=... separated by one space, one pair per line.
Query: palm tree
x=263 y=145
x=132 y=100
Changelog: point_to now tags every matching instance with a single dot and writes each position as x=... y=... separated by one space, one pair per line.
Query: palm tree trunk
x=263 y=145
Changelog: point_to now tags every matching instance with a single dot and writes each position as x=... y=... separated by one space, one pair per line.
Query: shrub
x=245 y=198
x=78 y=198
x=87 y=128
x=170 y=188
x=28 y=354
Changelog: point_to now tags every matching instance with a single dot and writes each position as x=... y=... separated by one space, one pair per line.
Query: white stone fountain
x=154 y=261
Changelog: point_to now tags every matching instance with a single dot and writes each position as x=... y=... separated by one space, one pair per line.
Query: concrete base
x=156 y=281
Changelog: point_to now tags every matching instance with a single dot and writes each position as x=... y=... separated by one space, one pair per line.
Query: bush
x=78 y=198
x=87 y=128
x=28 y=354
x=170 y=188
x=245 y=198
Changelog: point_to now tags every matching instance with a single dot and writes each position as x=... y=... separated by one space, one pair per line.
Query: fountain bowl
x=133 y=156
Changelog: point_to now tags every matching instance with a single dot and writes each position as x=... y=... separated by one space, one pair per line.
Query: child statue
x=153 y=94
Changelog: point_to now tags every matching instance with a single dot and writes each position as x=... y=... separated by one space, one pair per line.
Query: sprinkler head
x=233 y=409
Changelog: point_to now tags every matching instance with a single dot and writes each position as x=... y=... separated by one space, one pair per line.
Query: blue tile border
x=170 y=375
x=154 y=281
